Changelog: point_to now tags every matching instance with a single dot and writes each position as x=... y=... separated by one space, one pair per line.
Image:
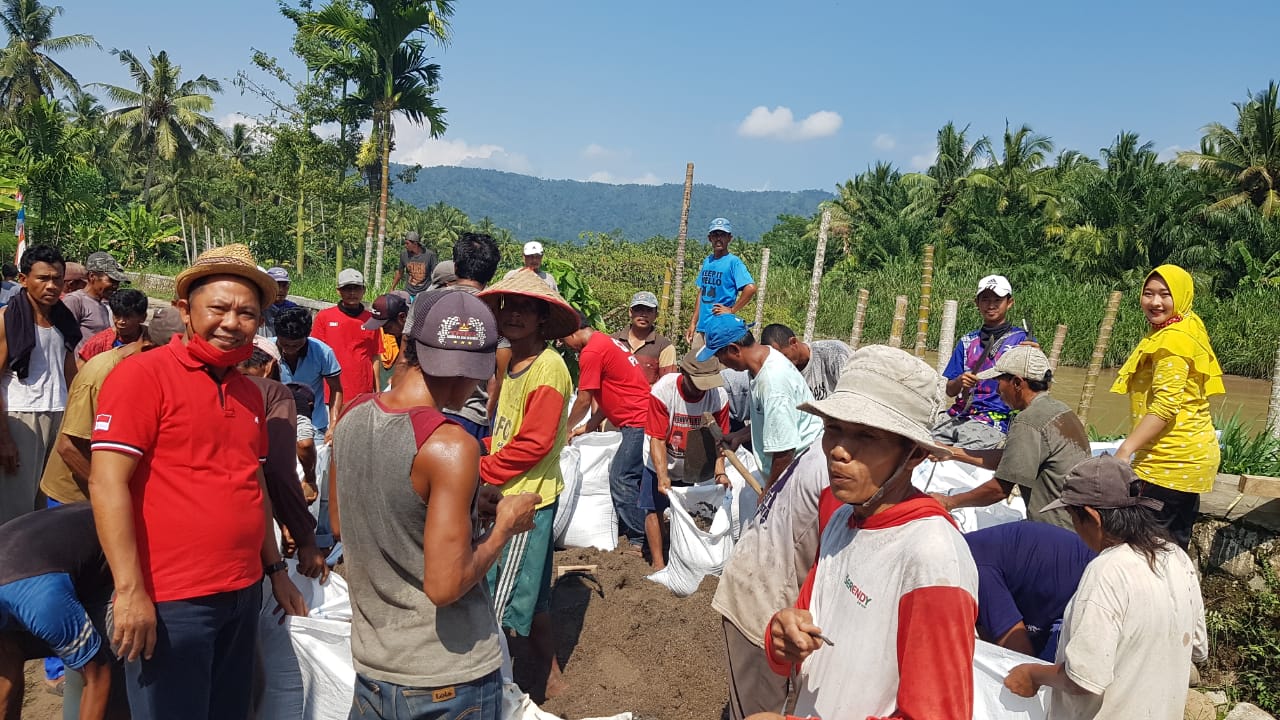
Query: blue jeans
x=203 y=664
x=624 y=483
x=477 y=700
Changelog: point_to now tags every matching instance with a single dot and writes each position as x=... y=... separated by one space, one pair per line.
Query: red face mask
x=201 y=350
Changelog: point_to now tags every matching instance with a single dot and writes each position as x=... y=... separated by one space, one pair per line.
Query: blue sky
x=759 y=95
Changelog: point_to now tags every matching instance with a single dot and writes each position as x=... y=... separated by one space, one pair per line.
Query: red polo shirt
x=355 y=348
x=609 y=367
x=197 y=505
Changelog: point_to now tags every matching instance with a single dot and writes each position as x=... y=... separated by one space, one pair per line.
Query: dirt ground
x=628 y=644
x=36 y=703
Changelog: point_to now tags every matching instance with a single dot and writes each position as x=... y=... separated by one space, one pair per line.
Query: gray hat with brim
x=1103 y=482
x=887 y=389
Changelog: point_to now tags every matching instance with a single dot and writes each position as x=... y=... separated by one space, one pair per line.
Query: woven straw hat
x=234 y=259
x=563 y=319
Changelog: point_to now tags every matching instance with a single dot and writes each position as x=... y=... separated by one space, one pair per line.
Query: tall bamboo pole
x=1059 y=337
x=859 y=318
x=926 y=290
x=947 y=333
x=1273 y=410
x=681 y=238
x=815 y=281
x=899 y=322
x=760 y=293
x=1099 y=353
x=664 y=302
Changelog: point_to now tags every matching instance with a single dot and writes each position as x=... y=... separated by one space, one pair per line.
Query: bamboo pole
x=947 y=333
x=664 y=302
x=1273 y=410
x=1099 y=353
x=1059 y=337
x=815 y=281
x=681 y=240
x=208 y=237
x=926 y=291
x=859 y=318
x=760 y=293
x=182 y=223
x=899 y=322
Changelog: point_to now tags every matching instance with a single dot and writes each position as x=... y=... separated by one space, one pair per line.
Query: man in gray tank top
x=424 y=638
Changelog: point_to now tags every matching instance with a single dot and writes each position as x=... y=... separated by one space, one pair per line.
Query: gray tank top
x=398 y=634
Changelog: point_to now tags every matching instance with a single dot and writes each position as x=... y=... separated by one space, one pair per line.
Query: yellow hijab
x=1187 y=339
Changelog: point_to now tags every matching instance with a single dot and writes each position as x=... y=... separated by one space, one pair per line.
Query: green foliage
x=135 y=233
x=1244 y=632
x=1246 y=452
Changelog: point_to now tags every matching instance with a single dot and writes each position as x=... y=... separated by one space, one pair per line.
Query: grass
x=1244 y=636
x=1245 y=452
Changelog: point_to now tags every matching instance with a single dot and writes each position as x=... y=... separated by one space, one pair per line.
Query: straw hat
x=563 y=319
x=234 y=259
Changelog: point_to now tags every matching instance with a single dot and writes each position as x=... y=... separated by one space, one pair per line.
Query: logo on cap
x=456 y=331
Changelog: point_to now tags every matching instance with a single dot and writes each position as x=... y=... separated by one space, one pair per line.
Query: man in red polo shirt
x=179 y=501
x=610 y=376
x=341 y=327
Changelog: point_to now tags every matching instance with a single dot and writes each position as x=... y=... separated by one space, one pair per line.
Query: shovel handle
x=742 y=470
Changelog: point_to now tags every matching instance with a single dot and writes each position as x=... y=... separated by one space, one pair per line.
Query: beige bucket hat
x=234 y=259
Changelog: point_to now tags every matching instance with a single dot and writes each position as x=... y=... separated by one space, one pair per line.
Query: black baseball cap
x=455 y=334
x=384 y=309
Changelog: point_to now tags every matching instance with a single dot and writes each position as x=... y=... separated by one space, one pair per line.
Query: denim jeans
x=477 y=700
x=202 y=668
x=624 y=483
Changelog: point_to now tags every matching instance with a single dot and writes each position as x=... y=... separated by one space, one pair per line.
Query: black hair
x=303 y=397
x=41 y=253
x=9 y=270
x=777 y=334
x=258 y=359
x=293 y=323
x=128 y=302
x=1136 y=526
x=476 y=257
x=747 y=340
x=1041 y=385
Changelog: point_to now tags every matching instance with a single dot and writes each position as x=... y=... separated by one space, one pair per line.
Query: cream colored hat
x=234 y=259
x=563 y=319
x=1022 y=361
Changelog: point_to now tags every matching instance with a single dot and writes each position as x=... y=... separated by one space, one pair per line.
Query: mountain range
x=532 y=207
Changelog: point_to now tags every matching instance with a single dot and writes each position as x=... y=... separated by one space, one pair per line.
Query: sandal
x=55 y=687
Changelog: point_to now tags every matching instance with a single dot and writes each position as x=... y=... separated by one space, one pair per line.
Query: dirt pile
x=628 y=644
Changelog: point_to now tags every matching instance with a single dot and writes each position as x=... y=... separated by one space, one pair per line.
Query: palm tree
x=26 y=70
x=1248 y=156
x=44 y=152
x=164 y=118
x=941 y=185
x=1013 y=173
x=396 y=75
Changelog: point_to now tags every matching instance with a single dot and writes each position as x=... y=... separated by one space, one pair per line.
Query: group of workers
x=421 y=434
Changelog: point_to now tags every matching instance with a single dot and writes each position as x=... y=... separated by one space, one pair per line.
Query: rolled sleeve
x=1168 y=386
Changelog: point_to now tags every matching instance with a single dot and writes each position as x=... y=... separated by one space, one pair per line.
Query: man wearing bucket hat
x=884 y=623
x=529 y=431
x=1136 y=623
x=677 y=405
x=1045 y=440
x=533 y=264
x=188 y=563
x=724 y=283
x=406 y=486
x=778 y=429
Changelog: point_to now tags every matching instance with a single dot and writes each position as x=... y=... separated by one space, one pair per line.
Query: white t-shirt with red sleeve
x=897 y=594
x=672 y=416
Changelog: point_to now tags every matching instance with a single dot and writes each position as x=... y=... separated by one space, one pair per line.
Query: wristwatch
x=275 y=567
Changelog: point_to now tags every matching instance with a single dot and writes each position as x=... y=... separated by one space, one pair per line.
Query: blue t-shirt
x=986 y=405
x=316 y=363
x=1027 y=572
x=719 y=282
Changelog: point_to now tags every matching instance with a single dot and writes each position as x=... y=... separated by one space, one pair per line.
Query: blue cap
x=720 y=225
x=721 y=331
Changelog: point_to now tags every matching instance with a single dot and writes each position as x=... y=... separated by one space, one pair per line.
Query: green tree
x=1247 y=156
x=164 y=118
x=940 y=186
x=44 y=154
x=27 y=72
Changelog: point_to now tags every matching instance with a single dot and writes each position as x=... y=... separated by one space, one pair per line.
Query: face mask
x=201 y=350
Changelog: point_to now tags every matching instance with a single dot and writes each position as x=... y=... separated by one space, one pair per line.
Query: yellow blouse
x=1185 y=456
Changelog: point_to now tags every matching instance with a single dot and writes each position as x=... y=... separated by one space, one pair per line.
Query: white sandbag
x=570 y=469
x=323 y=649
x=592 y=522
x=696 y=553
x=747 y=499
x=991 y=699
x=1109 y=447
x=950 y=478
x=518 y=706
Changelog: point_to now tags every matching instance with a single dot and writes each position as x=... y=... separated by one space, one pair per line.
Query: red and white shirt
x=672 y=416
x=897 y=594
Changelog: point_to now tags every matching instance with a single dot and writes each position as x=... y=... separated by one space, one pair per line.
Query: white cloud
x=780 y=124
x=884 y=141
x=923 y=161
x=596 y=151
x=1170 y=153
x=228 y=121
x=604 y=176
x=415 y=146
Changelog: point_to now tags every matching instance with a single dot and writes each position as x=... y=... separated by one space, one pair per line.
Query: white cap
x=997 y=284
x=350 y=276
x=1022 y=361
x=533 y=247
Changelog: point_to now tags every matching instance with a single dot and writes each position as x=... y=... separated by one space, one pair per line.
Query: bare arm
x=744 y=297
x=1018 y=640
x=693 y=321
x=1028 y=678
x=335 y=397
x=8 y=450
x=335 y=518
x=988 y=459
x=285 y=592
x=581 y=406
x=988 y=493
x=135 y=616
x=70 y=367
x=778 y=463
x=306 y=450
x=75 y=453
x=658 y=453
x=502 y=360
x=446 y=474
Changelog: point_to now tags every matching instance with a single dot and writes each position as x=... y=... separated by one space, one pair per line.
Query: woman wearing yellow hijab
x=1169 y=378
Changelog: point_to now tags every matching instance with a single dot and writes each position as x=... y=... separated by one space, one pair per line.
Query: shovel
x=717 y=436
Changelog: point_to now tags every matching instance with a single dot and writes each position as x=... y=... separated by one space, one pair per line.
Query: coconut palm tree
x=1247 y=156
x=164 y=118
x=940 y=186
x=26 y=70
x=1013 y=173
x=396 y=77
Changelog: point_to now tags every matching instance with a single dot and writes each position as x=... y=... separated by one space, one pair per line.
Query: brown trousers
x=753 y=686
